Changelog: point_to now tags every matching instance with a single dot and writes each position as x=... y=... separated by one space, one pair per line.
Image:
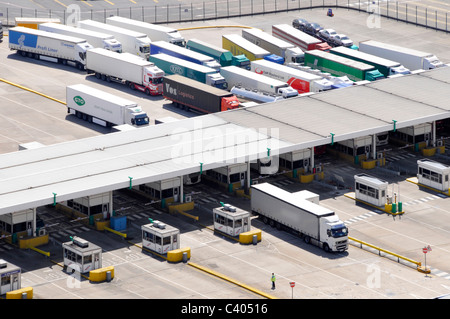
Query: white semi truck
x=288 y=51
x=132 y=42
x=102 y=108
x=301 y=81
x=96 y=39
x=155 y=32
x=236 y=76
x=290 y=211
x=49 y=46
x=127 y=69
x=409 y=58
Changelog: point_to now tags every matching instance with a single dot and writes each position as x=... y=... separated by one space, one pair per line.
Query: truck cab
x=216 y=80
x=175 y=37
x=374 y=75
x=154 y=77
x=431 y=62
x=333 y=234
x=241 y=61
x=229 y=103
x=112 y=45
x=399 y=70
x=287 y=92
x=136 y=117
x=294 y=55
x=142 y=47
x=81 y=56
x=274 y=58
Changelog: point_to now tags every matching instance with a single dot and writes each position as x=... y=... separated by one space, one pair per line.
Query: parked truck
x=235 y=76
x=172 y=65
x=386 y=67
x=337 y=82
x=183 y=53
x=299 y=38
x=155 y=32
x=277 y=46
x=224 y=57
x=189 y=94
x=33 y=23
x=102 y=108
x=284 y=210
x=255 y=96
x=238 y=45
x=301 y=81
x=132 y=42
x=96 y=39
x=49 y=46
x=340 y=66
x=127 y=69
x=411 y=59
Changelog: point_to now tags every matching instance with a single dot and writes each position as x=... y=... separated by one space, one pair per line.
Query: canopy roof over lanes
x=30 y=178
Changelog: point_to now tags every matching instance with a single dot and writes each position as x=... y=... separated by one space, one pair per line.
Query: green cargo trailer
x=173 y=65
x=386 y=67
x=340 y=66
x=224 y=57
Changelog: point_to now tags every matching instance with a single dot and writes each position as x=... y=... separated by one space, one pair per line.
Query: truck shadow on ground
x=53 y=65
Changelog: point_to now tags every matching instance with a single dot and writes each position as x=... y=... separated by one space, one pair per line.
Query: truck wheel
x=307 y=239
x=103 y=77
x=278 y=226
x=326 y=248
x=79 y=114
x=147 y=91
x=272 y=223
x=23 y=53
x=85 y=117
x=37 y=56
x=64 y=61
x=131 y=85
x=98 y=75
x=265 y=220
x=108 y=79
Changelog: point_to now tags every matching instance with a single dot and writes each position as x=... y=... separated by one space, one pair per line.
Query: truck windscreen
x=142 y=120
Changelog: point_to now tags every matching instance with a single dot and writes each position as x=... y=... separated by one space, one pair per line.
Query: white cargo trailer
x=127 y=69
x=288 y=51
x=155 y=32
x=96 y=39
x=301 y=81
x=236 y=76
x=409 y=58
x=102 y=108
x=316 y=224
x=49 y=46
x=132 y=42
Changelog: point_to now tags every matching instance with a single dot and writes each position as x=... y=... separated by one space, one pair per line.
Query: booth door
x=97 y=263
x=15 y=282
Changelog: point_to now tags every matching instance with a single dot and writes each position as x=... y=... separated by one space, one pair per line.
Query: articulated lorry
x=301 y=81
x=224 y=57
x=155 y=32
x=337 y=82
x=237 y=45
x=292 y=212
x=189 y=94
x=235 y=76
x=277 y=46
x=127 y=69
x=254 y=96
x=386 y=67
x=340 y=66
x=183 y=53
x=411 y=59
x=132 y=42
x=96 y=39
x=102 y=108
x=172 y=65
x=49 y=46
x=299 y=38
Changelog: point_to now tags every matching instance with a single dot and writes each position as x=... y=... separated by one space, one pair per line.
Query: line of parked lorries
x=254 y=66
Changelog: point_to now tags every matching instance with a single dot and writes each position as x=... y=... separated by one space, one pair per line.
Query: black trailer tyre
x=103 y=77
x=326 y=248
x=23 y=53
x=307 y=239
x=272 y=223
x=265 y=220
x=98 y=75
x=278 y=226
x=147 y=91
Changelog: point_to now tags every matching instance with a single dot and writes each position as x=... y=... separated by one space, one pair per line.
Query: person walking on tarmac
x=273 y=281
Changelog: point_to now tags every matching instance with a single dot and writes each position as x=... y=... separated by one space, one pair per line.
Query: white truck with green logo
x=97 y=106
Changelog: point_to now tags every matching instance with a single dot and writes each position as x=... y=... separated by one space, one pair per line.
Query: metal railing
x=222 y=9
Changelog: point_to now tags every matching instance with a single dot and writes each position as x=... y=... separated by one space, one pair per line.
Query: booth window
x=166 y=240
x=87 y=259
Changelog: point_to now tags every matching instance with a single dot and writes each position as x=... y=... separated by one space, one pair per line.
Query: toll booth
x=433 y=174
x=99 y=205
x=81 y=255
x=10 y=276
x=18 y=224
x=298 y=160
x=166 y=191
x=159 y=237
x=231 y=220
x=420 y=135
x=231 y=176
x=371 y=190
